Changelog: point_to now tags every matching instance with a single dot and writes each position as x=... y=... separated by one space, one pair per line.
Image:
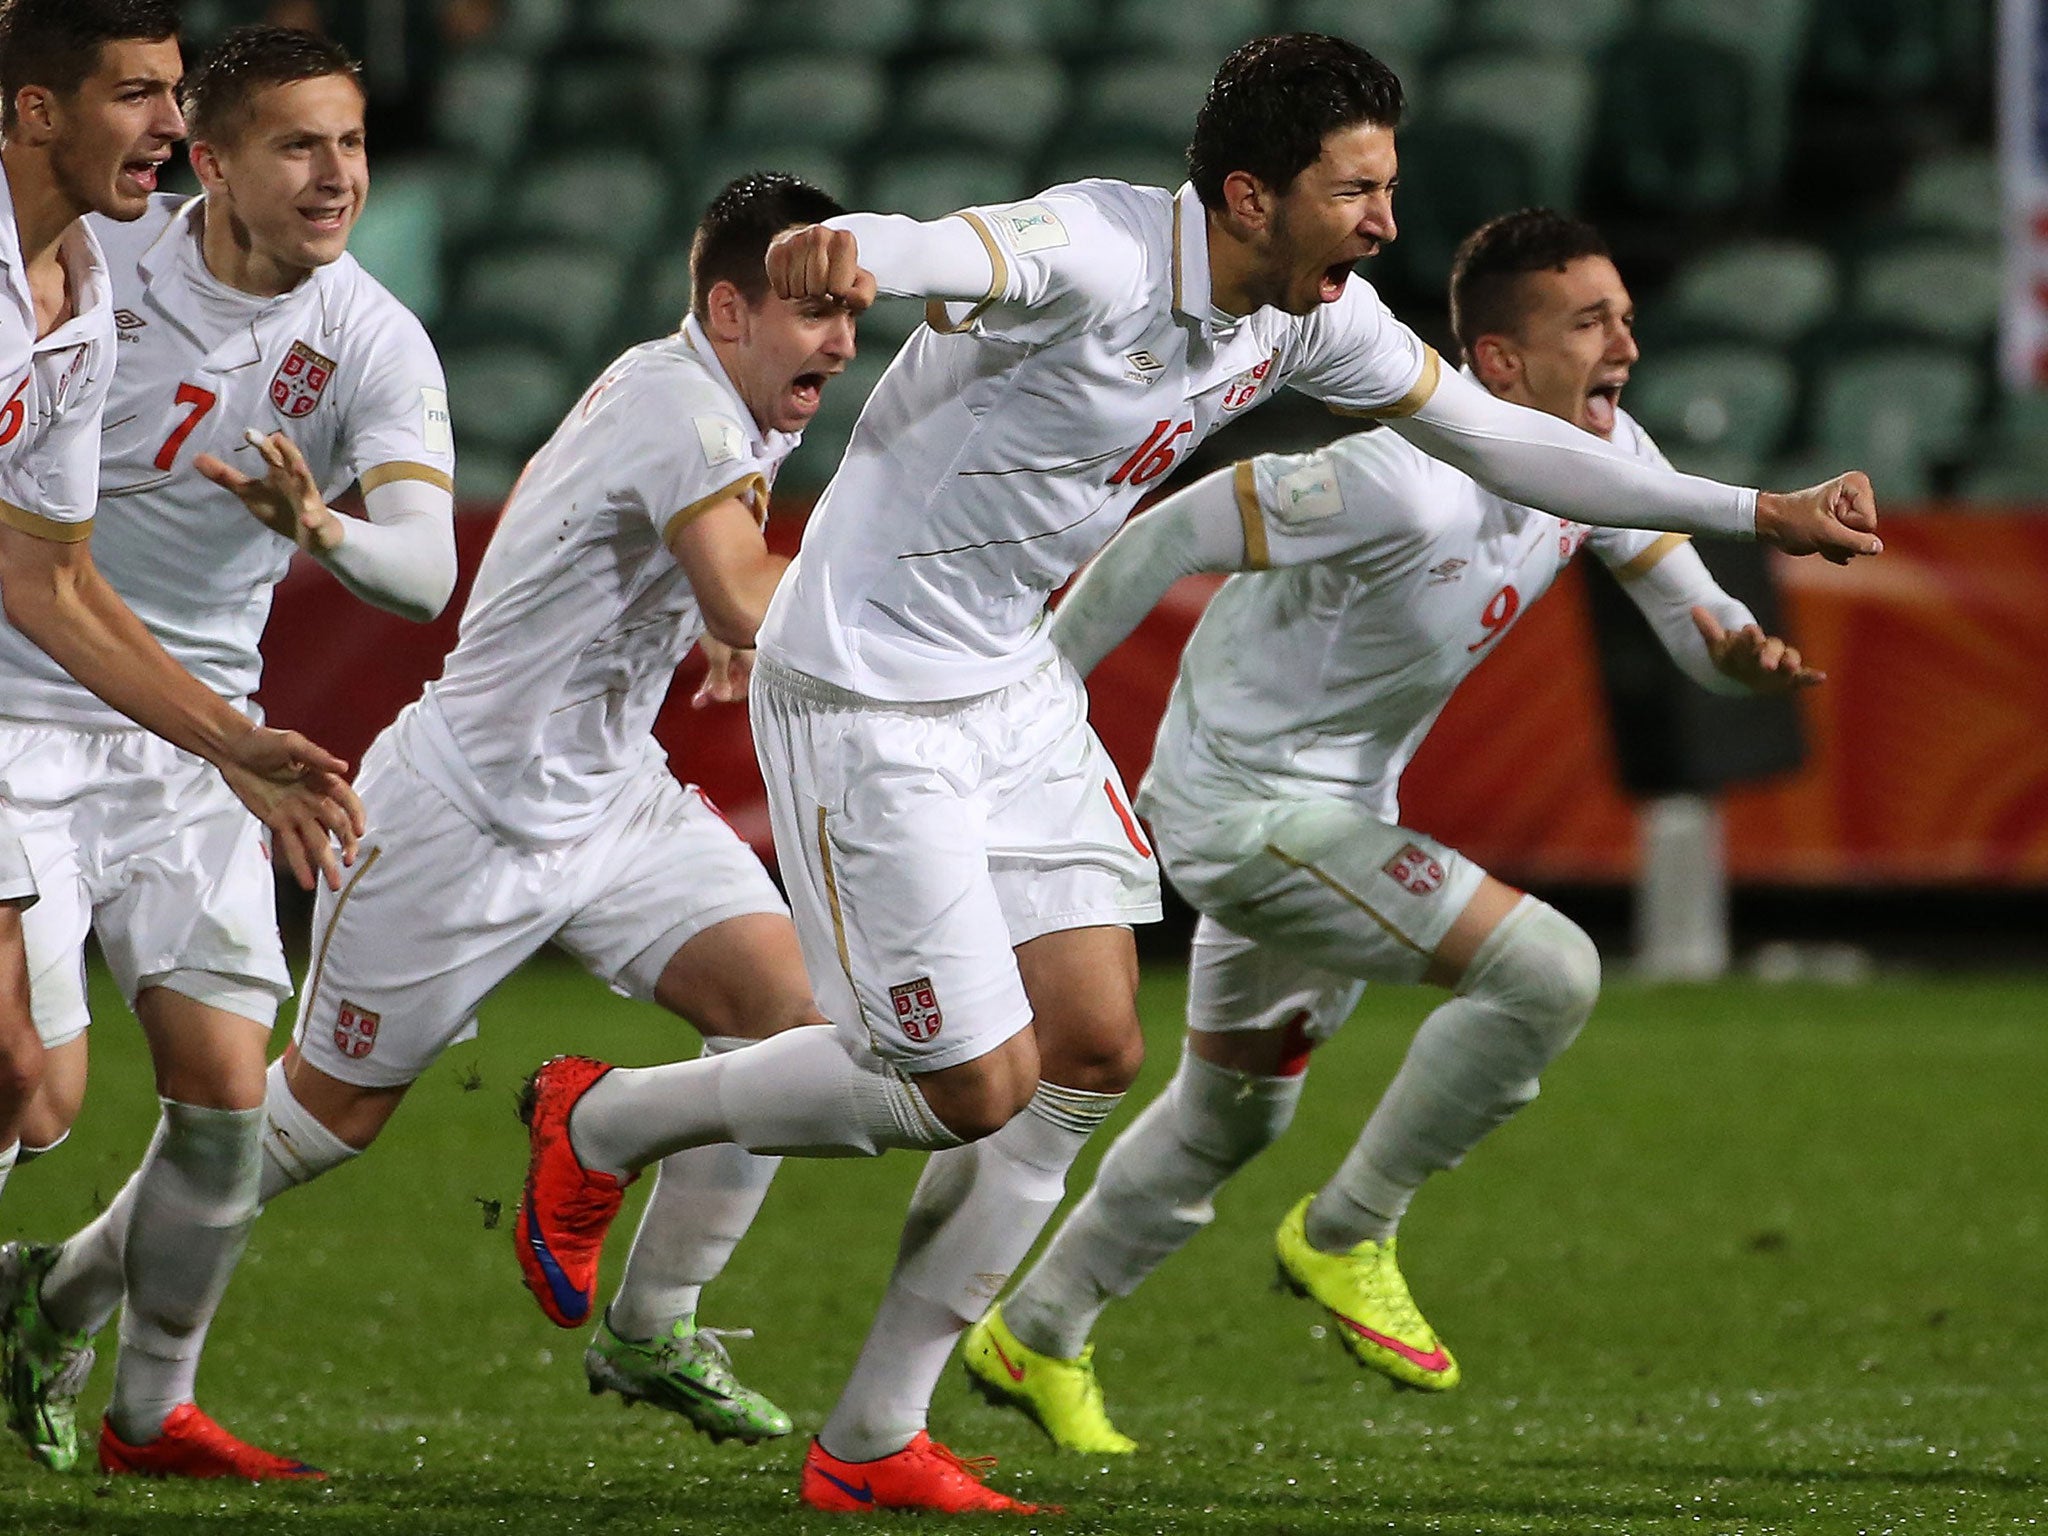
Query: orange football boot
x=565 y=1209
x=923 y=1475
x=192 y=1445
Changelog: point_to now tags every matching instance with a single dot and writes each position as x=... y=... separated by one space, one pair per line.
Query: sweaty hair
x=1275 y=100
x=731 y=245
x=217 y=96
x=1487 y=271
x=57 y=43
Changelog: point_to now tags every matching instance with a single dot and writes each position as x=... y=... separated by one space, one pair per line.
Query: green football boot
x=1062 y=1397
x=687 y=1371
x=1365 y=1295
x=42 y=1371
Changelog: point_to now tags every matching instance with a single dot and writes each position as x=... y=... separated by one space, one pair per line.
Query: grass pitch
x=1761 y=1260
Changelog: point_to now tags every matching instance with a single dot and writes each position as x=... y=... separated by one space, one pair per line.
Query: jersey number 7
x=201 y=401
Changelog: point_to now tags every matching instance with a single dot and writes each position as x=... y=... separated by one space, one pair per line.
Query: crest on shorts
x=296 y=386
x=1415 y=870
x=917 y=1009
x=355 y=1031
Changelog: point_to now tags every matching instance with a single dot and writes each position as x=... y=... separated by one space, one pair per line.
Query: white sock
x=296 y=1147
x=1152 y=1193
x=974 y=1217
x=8 y=1154
x=806 y=1091
x=194 y=1203
x=84 y=1287
x=704 y=1200
x=29 y=1154
x=1473 y=1063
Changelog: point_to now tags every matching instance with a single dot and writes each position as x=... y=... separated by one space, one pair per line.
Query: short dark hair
x=57 y=43
x=1486 y=272
x=731 y=244
x=216 y=95
x=1275 y=100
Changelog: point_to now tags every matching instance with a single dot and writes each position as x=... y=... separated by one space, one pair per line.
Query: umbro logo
x=1145 y=366
x=1447 y=570
x=127 y=323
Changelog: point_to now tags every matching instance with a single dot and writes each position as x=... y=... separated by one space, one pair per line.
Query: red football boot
x=192 y=1445
x=923 y=1475
x=565 y=1209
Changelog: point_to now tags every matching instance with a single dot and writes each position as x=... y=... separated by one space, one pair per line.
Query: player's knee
x=46 y=1121
x=21 y=1071
x=1544 y=971
x=978 y=1098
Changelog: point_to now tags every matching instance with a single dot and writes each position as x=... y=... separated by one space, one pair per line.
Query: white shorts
x=17 y=878
x=146 y=846
x=921 y=843
x=1301 y=901
x=437 y=911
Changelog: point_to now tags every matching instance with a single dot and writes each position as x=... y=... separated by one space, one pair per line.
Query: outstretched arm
x=402 y=559
x=55 y=595
x=1540 y=461
x=1715 y=639
x=1198 y=529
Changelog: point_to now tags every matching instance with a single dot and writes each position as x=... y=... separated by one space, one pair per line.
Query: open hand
x=1762 y=663
x=285 y=500
x=296 y=789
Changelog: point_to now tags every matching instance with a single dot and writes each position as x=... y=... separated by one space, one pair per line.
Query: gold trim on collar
x=405 y=469
x=1257 y=556
x=1647 y=558
x=37 y=526
x=753 y=481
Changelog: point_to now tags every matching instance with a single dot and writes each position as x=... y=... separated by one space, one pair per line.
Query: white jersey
x=337 y=364
x=1391 y=577
x=52 y=389
x=580 y=614
x=1010 y=439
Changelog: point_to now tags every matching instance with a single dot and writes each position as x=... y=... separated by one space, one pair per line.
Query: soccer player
x=247 y=336
x=962 y=863
x=523 y=798
x=1274 y=798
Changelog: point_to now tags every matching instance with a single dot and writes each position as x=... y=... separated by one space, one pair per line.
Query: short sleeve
x=1330 y=505
x=397 y=425
x=674 y=453
x=1062 y=263
x=1355 y=357
x=49 y=481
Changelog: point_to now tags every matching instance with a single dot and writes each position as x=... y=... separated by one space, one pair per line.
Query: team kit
x=947 y=964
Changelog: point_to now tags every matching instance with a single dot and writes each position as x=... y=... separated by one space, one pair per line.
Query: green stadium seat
x=666 y=26
x=1729 y=466
x=2017 y=481
x=532 y=27
x=1573 y=26
x=1012 y=104
x=1715 y=400
x=1681 y=128
x=660 y=298
x=1139 y=164
x=1016 y=26
x=1946 y=292
x=1545 y=104
x=1771 y=33
x=1206 y=31
x=1410 y=29
x=1885 y=49
x=564 y=297
x=932 y=186
x=615 y=198
x=723 y=163
x=1773 y=292
x=819 y=98
x=608 y=98
x=1957 y=193
x=1472 y=173
x=485 y=106
x=484 y=476
x=504 y=398
x=1898 y=469
x=871 y=27
x=1152 y=103
x=1891 y=401
x=398 y=237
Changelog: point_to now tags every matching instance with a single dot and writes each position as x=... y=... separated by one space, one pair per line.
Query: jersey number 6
x=201 y=401
x=13 y=414
x=1154 y=456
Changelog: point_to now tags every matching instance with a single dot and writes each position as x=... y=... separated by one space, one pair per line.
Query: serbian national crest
x=295 y=387
x=917 y=1009
x=355 y=1030
x=1244 y=389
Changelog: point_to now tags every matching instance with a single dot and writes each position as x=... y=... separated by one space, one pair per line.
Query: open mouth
x=806 y=389
x=1602 y=401
x=141 y=172
x=326 y=221
x=1331 y=287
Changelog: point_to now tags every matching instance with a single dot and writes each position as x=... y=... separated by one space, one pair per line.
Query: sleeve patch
x=1029 y=227
x=722 y=439
x=1306 y=495
x=436 y=435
